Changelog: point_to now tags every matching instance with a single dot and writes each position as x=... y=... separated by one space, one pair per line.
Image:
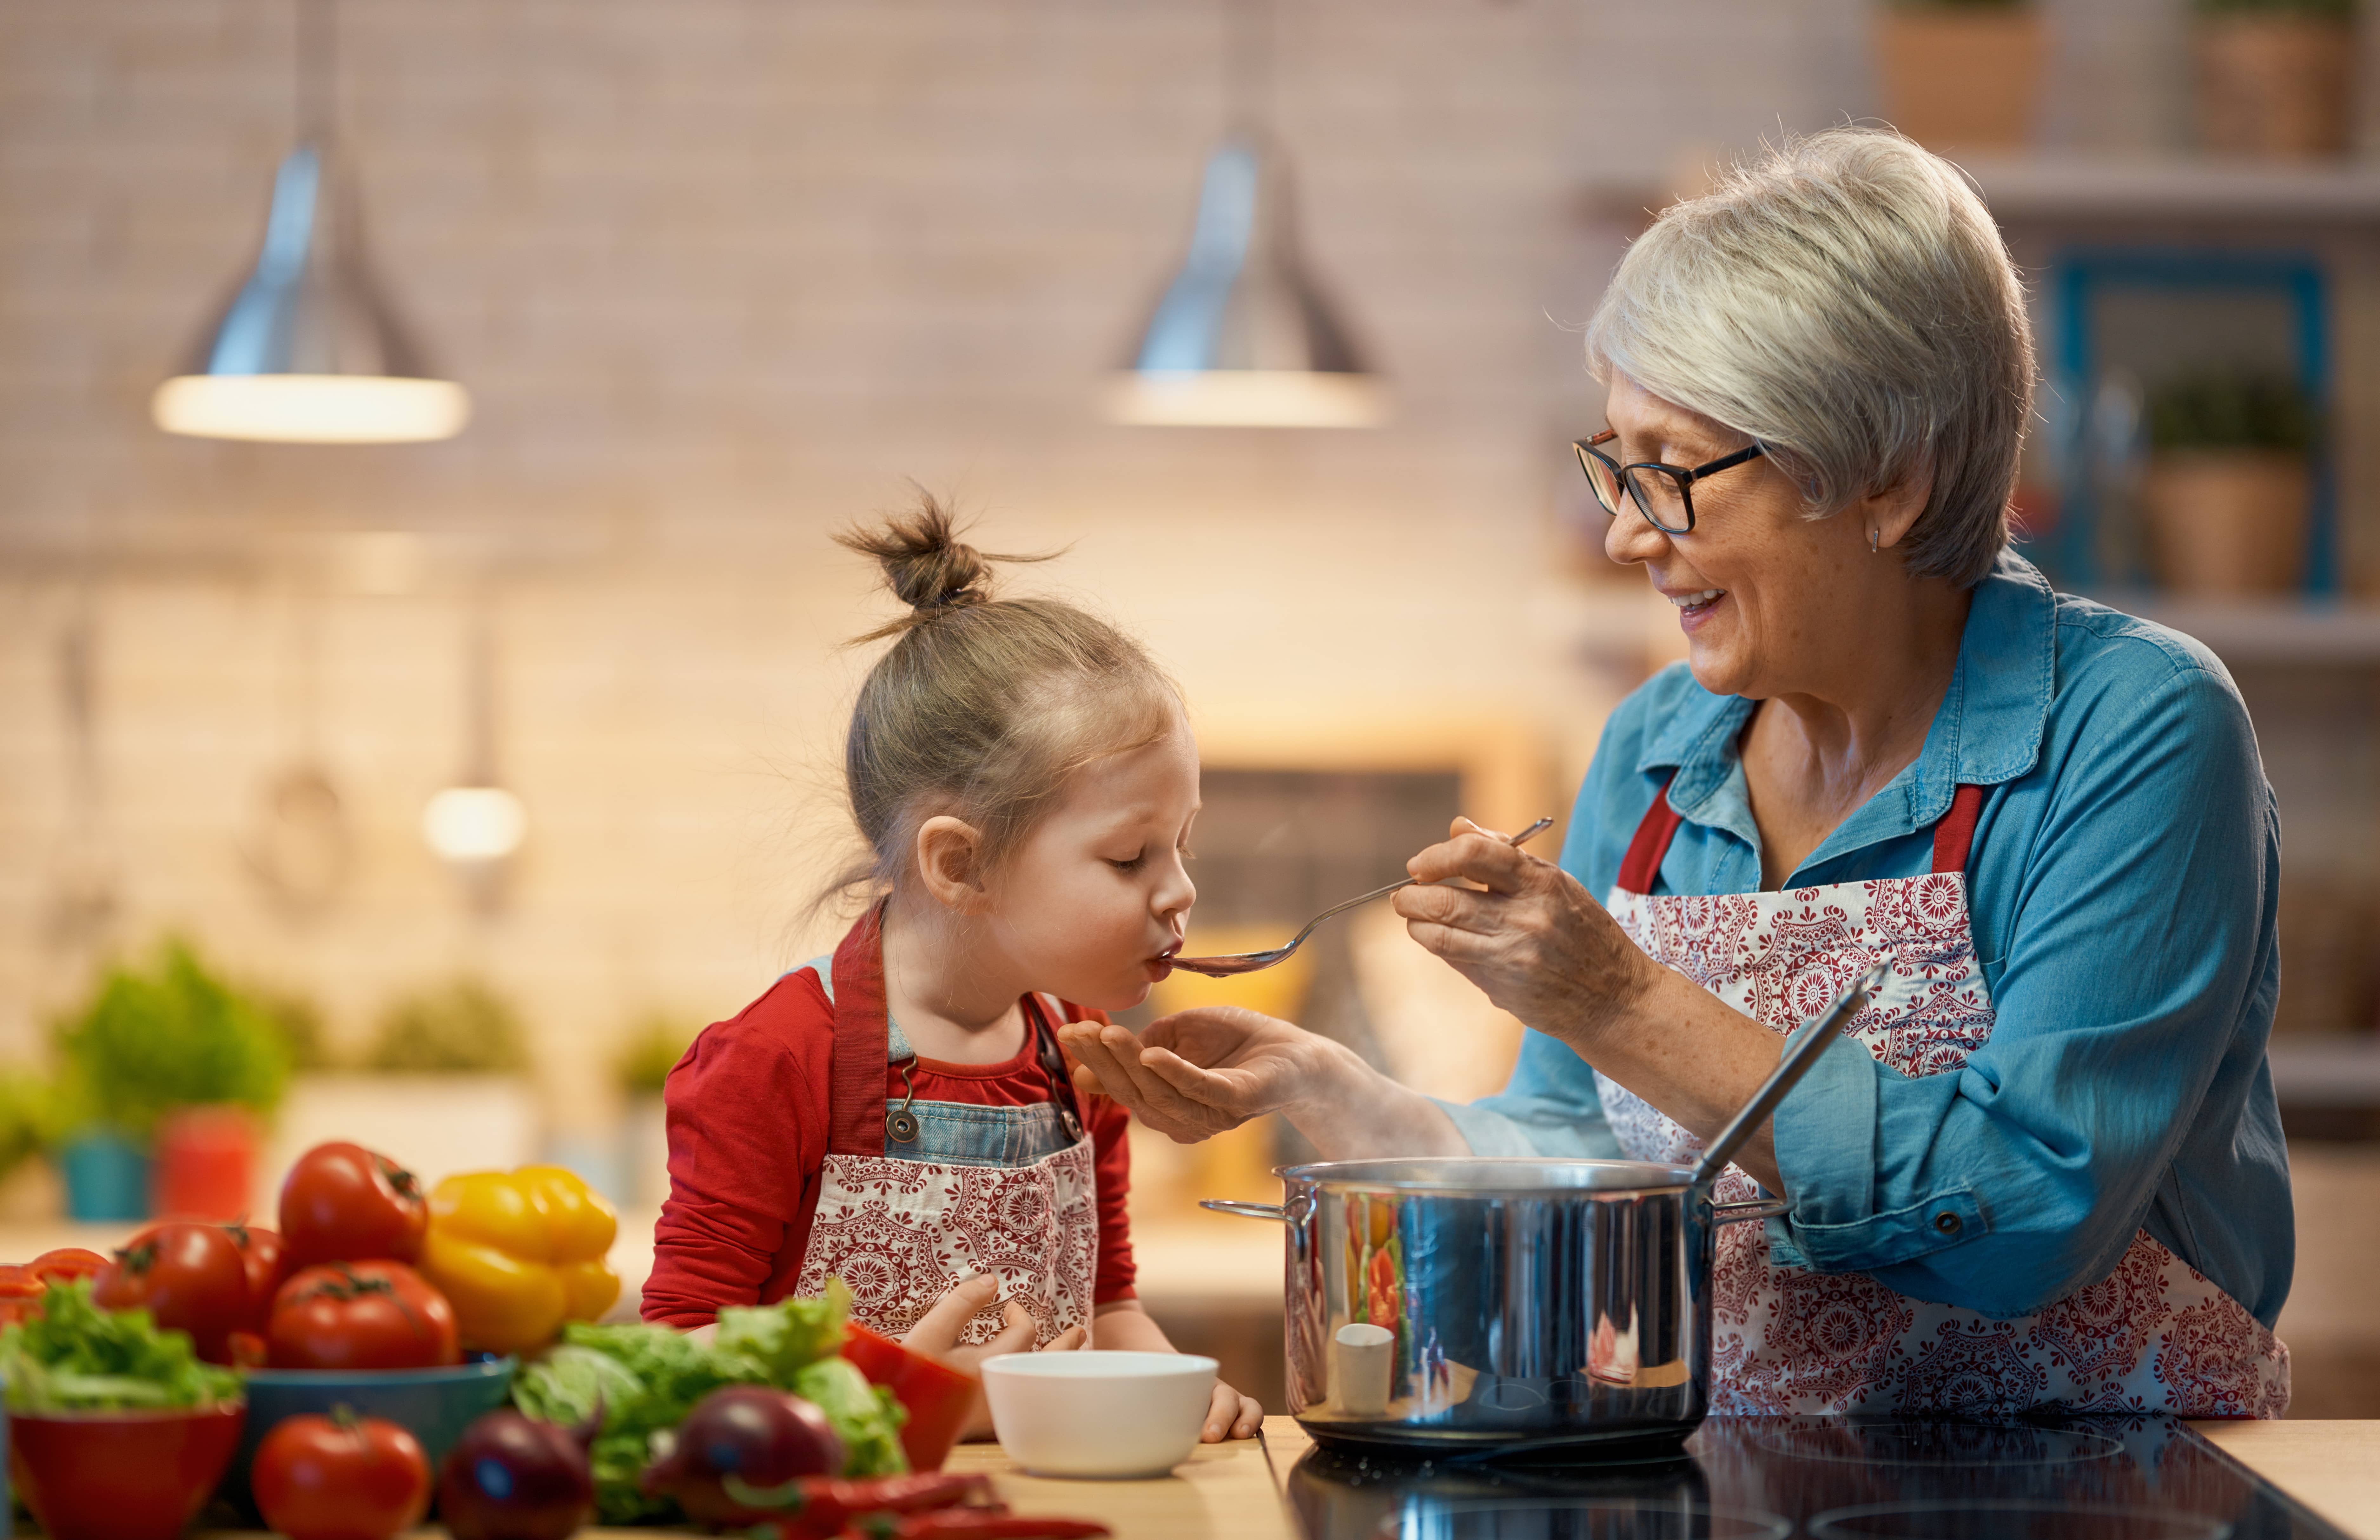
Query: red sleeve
x=747 y=1130
x=1112 y=1170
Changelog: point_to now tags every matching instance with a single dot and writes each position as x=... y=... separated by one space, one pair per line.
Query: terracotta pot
x=1962 y=79
x=2276 y=86
x=205 y=1164
x=2227 y=521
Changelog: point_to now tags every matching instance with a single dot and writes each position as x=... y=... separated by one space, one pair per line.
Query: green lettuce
x=76 y=1357
x=646 y=1378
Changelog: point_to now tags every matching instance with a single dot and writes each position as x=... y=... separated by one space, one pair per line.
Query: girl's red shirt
x=747 y=1138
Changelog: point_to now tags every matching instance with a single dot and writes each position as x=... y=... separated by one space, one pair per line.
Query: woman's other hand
x=1195 y=1073
x=1529 y=936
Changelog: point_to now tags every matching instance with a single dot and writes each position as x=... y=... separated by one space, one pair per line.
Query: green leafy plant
x=2230 y=409
x=462 y=1026
x=652 y=1048
x=76 y=1357
x=2327 y=10
x=174 y=1033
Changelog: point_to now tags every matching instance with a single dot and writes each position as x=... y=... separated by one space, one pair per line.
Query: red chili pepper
x=968 y=1523
x=828 y=1505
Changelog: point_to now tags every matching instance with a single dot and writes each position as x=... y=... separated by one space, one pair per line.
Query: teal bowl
x=434 y=1405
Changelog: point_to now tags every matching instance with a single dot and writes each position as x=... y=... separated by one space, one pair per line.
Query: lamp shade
x=1244 y=336
x=309 y=350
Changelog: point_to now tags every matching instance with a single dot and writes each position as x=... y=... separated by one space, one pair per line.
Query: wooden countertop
x=1234 y=1491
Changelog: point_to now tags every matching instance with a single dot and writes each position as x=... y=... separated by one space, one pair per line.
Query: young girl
x=898 y=1115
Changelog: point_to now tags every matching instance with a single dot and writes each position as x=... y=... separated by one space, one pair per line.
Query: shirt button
x=1947 y=1222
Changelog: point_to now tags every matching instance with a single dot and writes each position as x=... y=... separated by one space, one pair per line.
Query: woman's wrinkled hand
x=1528 y=935
x=1194 y=1074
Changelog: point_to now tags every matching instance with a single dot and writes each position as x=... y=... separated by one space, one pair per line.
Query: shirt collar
x=1988 y=730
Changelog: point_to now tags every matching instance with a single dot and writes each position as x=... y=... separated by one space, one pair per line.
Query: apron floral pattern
x=2153 y=1336
x=900 y=1232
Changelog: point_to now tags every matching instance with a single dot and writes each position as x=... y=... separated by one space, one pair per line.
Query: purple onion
x=736 y=1457
x=511 y=1478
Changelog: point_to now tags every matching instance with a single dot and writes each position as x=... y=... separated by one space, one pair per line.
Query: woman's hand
x=1529 y=936
x=1194 y=1074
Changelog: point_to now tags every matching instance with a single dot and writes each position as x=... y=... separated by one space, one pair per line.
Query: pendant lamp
x=1244 y=334
x=308 y=349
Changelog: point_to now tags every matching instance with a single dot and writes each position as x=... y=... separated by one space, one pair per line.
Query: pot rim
x=1344 y=1174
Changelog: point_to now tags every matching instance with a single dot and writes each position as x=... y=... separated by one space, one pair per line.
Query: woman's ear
x=1889 y=515
x=949 y=863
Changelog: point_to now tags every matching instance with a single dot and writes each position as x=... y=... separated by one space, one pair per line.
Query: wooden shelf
x=2343 y=1071
x=2088 y=189
x=2280 y=630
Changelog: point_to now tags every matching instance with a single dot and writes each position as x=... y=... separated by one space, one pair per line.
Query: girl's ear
x=949 y=863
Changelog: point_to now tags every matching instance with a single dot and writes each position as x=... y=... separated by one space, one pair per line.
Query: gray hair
x=1845 y=300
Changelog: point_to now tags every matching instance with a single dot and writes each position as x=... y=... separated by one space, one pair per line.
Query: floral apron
x=914 y=1199
x=2154 y=1335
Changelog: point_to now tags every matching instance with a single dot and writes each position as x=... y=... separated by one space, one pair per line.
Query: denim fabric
x=2123 y=894
x=958 y=1133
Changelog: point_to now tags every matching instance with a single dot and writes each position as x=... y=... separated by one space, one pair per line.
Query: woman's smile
x=1694 y=605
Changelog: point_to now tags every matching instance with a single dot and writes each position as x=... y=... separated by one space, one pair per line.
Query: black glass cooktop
x=1771 y=1478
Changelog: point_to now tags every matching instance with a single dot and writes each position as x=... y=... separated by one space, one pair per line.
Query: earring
x=1872 y=537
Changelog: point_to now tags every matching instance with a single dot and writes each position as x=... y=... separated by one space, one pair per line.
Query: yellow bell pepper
x=518 y=1252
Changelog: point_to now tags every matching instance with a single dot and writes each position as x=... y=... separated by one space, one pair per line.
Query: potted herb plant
x=1962 y=75
x=441 y=1086
x=153 y=1052
x=2226 y=498
x=652 y=1049
x=2274 y=77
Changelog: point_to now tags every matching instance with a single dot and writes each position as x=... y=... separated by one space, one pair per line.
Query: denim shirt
x=2123 y=894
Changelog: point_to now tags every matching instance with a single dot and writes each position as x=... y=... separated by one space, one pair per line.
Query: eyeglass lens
x=1656 y=496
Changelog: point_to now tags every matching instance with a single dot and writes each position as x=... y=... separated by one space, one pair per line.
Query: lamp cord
x=1248 y=63
x=318 y=72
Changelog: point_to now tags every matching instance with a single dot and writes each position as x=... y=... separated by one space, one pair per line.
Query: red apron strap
x=1645 y=852
x=854 y=1104
x=1955 y=835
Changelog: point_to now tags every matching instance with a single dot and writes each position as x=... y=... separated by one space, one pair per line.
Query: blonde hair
x=983 y=708
x=1847 y=302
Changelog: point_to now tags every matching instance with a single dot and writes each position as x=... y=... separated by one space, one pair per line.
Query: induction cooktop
x=1781 y=1478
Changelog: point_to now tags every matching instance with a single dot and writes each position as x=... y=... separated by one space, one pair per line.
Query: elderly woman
x=2055 y=1178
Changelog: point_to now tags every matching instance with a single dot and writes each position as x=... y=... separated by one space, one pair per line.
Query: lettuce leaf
x=76 y=1357
x=646 y=1378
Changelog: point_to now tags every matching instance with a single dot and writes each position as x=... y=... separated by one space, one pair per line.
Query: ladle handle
x=1802 y=1050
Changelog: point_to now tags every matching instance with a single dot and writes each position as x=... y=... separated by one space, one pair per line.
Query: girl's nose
x=1177 y=893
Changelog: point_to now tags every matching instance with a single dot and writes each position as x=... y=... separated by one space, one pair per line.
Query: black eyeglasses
x=1660 y=492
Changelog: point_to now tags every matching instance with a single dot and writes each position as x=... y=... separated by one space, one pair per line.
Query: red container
x=120 y=1475
x=937 y=1397
x=205 y=1164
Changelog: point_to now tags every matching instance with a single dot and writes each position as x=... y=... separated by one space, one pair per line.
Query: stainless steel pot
x=1487 y=1305
x=1525 y=1303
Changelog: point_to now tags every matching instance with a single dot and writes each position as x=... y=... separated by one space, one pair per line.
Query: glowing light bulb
x=474 y=823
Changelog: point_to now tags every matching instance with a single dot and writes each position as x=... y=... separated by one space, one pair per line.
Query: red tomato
x=186 y=1276
x=361 y=1316
x=66 y=1262
x=317 y=1478
x=264 y=1259
x=17 y=1282
x=342 y=1203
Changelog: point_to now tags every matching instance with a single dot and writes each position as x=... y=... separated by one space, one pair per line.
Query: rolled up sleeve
x=1548 y=1107
x=2141 y=925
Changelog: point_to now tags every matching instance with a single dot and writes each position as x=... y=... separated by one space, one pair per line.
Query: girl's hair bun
x=926 y=565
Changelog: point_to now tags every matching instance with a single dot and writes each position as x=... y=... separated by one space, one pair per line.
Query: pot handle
x=1749 y=1208
x=1244 y=1210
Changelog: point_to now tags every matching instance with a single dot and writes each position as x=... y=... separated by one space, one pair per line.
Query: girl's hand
x=937 y=1332
x=1231 y=1415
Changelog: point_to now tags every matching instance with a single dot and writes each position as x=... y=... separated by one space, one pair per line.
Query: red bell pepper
x=937 y=1397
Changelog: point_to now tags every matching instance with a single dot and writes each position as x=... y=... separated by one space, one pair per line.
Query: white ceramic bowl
x=1112 y=1414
